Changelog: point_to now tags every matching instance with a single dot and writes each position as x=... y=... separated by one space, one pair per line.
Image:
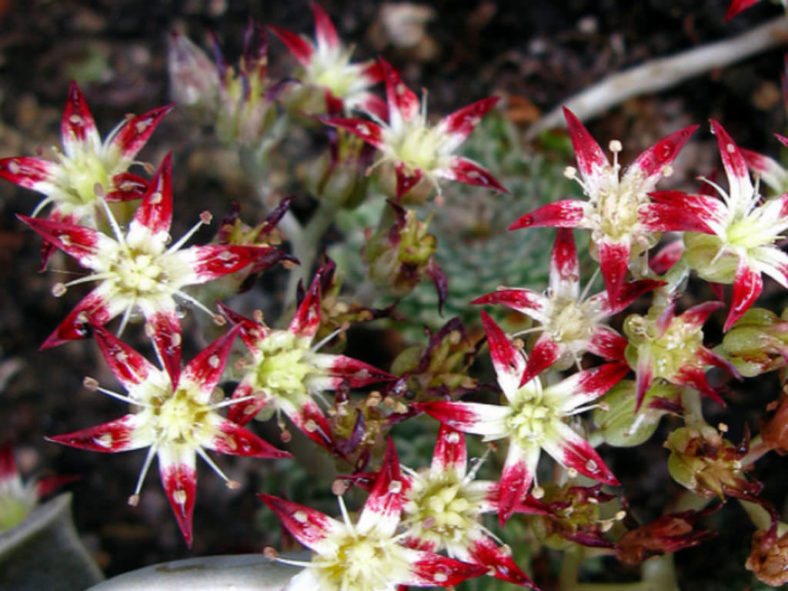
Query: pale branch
x=663 y=73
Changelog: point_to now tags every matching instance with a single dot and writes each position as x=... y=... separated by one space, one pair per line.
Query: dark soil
x=540 y=51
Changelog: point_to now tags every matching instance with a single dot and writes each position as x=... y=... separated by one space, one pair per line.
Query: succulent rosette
x=138 y=271
x=174 y=417
x=571 y=323
x=624 y=223
x=532 y=418
x=368 y=555
x=417 y=149
x=285 y=371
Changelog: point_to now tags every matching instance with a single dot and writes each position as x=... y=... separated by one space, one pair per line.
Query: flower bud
x=618 y=422
x=757 y=343
x=704 y=462
x=399 y=254
x=768 y=558
x=194 y=80
x=339 y=175
x=702 y=253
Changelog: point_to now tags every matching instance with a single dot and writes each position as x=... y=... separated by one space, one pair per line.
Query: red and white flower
x=85 y=162
x=532 y=419
x=571 y=324
x=367 y=555
x=735 y=241
x=623 y=221
x=663 y=345
x=174 y=416
x=285 y=371
x=326 y=65
x=443 y=507
x=139 y=271
x=17 y=498
x=416 y=148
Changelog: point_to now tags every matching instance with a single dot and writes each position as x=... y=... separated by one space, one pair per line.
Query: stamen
x=228 y=481
x=123 y=398
x=345 y=516
x=316 y=347
x=112 y=221
x=134 y=499
x=183 y=239
x=41 y=206
x=125 y=320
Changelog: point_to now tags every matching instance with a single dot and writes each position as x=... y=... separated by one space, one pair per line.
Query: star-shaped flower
x=326 y=65
x=619 y=212
x=139 y=271
x=532 y=419
x=367 y=555
x=663 y=345
x=740 y=232
x=174 y=416
x=443 y=507
x=70 y=183
x=416 y=148
x=285 y=371
x=571 y=323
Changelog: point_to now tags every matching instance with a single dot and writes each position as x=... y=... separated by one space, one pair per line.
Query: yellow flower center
x=530 y=415
x=284 y=366
x=440 y=509
x=180 y=418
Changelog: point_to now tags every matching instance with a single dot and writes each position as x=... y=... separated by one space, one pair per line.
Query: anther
x=206 y=217
x=58 y=290
x=615 y=146
x=90 y=383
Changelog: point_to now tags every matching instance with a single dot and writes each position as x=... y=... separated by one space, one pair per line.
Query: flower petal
x=739 y=184
x=747 y=286
x=629 y=293
x=30 y=173
x=470 y=417
x=585 y=386
x=695 y=317
x=644 y=373
x=370 y=132
x=430 y=569
x=568 y=213
x=126 y=186
x=737 y=6
x=607 y=343
x=517 y=475
x=483 y=550
x=564 y=266
x=450 y=452
x=545 y=352
x=384 y=505
x=301 y=49
x=310 y=420
x=463 y=121
x=590 y=157
x=696 y=377
x=130 y=368
x=201 y=264
x=406 y=179
x=237 y=441
x=613 y=262
x=205 y=370
x=678 y=211
x=133 y=135
x=155 y=211
x=467 y=171
x=98 y=307
x=85 y=244
x=525 y=301
x=651 y=163
x=252 y=332
x=343 y=369
x=306 y=320
x=119 y=435
x=508 y=361
x=324 y=29
x=572 y=451
x=308 y=526
x=77 y=127
x=179 y=479
x=403 y=103
x=164 y=328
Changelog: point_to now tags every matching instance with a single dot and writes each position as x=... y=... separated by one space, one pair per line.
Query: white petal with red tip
x=516 y=477
x=572 y=451
x=462 y=122
x=747 y=286
x=508 y=361
x=311 y=528
x=590 y=157
x=130 y=368
x=77 y=128
x=179 y=479
x=450 y=452
x=206 y=369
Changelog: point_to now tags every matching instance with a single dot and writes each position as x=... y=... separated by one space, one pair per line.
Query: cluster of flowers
x=410 y=516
